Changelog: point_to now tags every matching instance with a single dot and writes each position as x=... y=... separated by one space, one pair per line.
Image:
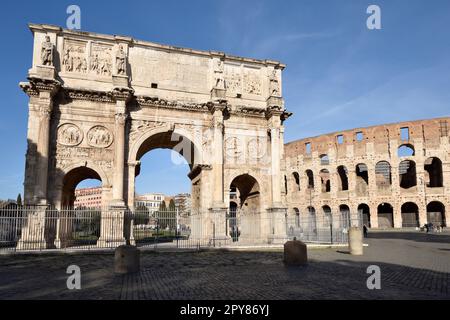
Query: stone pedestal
x=278 y=234
x=42 y=72
x=218 y=94
x=120 y=81
x=112 y=228
x=219 y=236
x=355 y=241
x=33 y=234
x=126 y=259
x=295 y=253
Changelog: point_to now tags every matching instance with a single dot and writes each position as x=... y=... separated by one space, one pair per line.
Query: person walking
x=365 y=231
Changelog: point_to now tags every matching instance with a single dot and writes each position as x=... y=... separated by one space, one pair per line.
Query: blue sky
x=339 y=74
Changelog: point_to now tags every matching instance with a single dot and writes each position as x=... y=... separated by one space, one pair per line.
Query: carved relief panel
x=101 y=59
x=252 y=81
x=69 y=135
x=74 y=58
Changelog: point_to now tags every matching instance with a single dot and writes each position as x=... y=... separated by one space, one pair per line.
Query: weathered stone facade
x=98 y=103
x=361 y=169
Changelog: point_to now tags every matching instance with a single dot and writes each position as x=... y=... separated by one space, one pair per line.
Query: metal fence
x=43 y=228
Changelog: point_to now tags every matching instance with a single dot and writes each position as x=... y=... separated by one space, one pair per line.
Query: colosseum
x=395 y=175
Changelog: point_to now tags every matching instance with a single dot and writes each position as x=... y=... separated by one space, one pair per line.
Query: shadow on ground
x=216 y=275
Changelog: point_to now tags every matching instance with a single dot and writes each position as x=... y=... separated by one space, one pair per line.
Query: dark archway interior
x=325 y=179
x=433 y=167
x=296 y=180
x=310 y=176
x=385 y=216
x=249 y=193
x=343 y=176
x=71 y=180
x=407 y=173
x=362 y=172
x=436 y=213
x=365 y=211
x=410 y=215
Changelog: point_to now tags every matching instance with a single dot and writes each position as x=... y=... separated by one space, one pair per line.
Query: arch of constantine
x=98 y=103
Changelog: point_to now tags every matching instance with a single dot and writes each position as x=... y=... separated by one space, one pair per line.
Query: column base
x=31 y=245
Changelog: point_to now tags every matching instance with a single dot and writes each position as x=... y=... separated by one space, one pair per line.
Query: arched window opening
x=407 y=174
x=343 y=177
x=433 y=173
x=383 y=174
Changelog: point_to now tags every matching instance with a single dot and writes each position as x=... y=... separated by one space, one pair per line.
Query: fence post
x=214 y=234
x=331 y=232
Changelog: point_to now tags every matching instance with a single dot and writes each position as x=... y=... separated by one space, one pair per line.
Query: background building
x=151 y=201
x=183 y=203
x=88 y=197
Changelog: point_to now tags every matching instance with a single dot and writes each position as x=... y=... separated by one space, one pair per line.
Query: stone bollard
x=126 y=259
x=295 y=253
x=355 y=241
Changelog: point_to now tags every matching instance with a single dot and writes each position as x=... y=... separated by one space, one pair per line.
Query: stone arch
x=406 y=150
x=362 y=174
x=342 y=173
x=385 y=213
x=73 y=175
x=325 y=180
x=162 y=138
x=296 y=181
x=407 y=174
x=436 y=213
x=410 y=215
x=433 y=171
x=327 y=215
x=383 y=174
x=297 y=217
x=364 y=210
x=324 y=159
x=249 y=193
x=310 y=179
x=344 y=212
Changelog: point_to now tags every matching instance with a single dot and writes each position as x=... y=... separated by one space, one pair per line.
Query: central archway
x=245 y=224
x=178 y=140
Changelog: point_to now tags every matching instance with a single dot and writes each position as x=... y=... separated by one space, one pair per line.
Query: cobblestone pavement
x=413 y=266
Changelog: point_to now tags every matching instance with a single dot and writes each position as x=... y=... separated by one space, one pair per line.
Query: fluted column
x=274 y=125
x=119 y=160
x=121 y=95
x=217 y=166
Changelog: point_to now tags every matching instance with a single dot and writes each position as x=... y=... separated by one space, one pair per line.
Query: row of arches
x=404 y=150
x=383 y=176
x=385 y=214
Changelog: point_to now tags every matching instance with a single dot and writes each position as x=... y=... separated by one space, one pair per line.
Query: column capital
x=38 y=87
x=121 y=118
x=218 y=107
x=122 y=94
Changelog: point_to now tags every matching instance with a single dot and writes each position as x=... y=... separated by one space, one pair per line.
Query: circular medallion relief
x=100 y=137
x=69 y=135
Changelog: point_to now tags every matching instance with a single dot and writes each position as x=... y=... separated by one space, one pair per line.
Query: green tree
x=19 y=200
x=162 y=206
x=141 y=216
x=171 y=205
